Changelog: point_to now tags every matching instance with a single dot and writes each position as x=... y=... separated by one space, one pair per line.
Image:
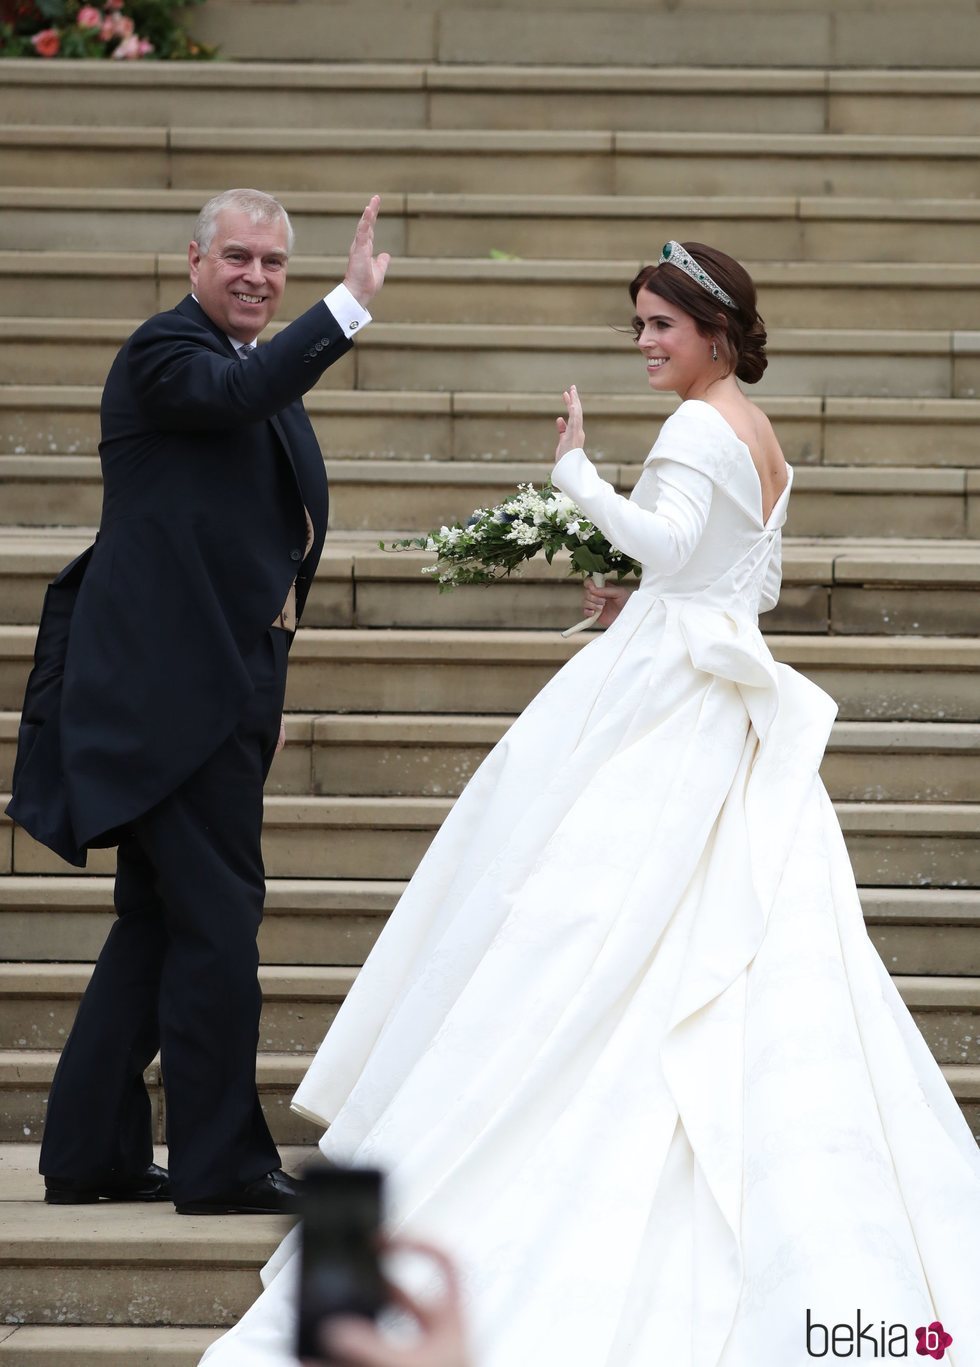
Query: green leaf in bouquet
x=588 y=561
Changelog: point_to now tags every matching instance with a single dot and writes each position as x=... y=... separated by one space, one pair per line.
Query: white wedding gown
x=625 y=1047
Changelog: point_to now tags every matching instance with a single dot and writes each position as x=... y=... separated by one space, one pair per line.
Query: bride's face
x=677 y=356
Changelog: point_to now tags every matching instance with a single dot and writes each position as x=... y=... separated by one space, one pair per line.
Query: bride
x=625 y=1047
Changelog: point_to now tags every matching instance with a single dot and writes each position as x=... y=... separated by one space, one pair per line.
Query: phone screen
x=341 y=1211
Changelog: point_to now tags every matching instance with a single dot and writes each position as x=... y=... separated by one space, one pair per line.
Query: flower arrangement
x=125 y=30
x=495 y=541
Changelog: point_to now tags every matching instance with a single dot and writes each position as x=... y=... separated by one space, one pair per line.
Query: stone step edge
x=315 y=896
x=32 y=551
x=69 y=1345
x=508 y=76
x=423 y=814
x=330 y=983
x=315 y=983
x=513 y=337
x=333 y=645
x=801 y=274
x=467 y=403
x=436 y=730
x=288 y=1070
x=844 y=479
x=434 y=203
x=286 y=896
x=171 y=138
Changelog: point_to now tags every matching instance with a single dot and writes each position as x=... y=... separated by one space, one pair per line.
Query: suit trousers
x=179 y=973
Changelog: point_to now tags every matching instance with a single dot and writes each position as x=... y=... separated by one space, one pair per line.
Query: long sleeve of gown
x=661 y=537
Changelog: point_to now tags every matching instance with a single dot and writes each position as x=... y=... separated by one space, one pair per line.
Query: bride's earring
x=714 y=351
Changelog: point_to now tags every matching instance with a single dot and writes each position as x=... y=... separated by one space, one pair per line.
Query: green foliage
x=155 y=20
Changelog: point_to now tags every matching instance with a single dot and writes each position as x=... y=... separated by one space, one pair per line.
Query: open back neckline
x=765 y=521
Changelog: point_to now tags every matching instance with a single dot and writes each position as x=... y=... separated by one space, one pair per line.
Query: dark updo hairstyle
x=741 y=333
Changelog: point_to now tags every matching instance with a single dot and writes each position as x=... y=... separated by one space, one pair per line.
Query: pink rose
x=47 y=42
x=116 y=26
x=114 y=4
x=89 y=17
x=132 y=47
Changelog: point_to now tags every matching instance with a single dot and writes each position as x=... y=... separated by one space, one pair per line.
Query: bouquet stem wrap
x=600 y=582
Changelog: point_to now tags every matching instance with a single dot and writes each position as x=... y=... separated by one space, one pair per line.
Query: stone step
x=900 y=844
x=892 y=586
x=422 y=756
x=895 y=587
x=307 y=921
x=21 y=1181
x=932 y=931
x=408 y=755
x=478 y=161
x=831 y=501
x=533 y=225
x=404 y=95
x=145 y=1268
x=81 y=1346
x=486 y=427
x=851 y=294
x=902 y=678
x=38 y=1003
x=805 y=33
x=37 y=1345
x=826 y=502
x=493 y=357
x=25 y=1079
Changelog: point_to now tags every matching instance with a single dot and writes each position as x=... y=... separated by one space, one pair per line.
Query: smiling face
x=239 y=280
x=677 y=355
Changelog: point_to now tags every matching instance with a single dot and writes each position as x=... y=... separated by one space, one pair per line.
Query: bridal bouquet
x=495 y=541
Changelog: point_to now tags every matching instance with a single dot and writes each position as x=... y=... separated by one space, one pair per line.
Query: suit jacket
x=139 y=675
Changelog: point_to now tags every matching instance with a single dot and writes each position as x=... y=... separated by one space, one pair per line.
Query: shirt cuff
x=346 y=310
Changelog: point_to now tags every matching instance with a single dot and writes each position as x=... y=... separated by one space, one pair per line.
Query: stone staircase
x=519 y=198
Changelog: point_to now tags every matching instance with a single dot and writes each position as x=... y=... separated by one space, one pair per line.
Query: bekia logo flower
x=932 y=1341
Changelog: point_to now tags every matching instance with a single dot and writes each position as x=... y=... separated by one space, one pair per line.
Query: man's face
x=240 y=280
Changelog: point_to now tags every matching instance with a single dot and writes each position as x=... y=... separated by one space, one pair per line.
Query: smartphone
x=340 y=1271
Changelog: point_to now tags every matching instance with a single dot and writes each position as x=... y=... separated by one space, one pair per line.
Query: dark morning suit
x=150 y=721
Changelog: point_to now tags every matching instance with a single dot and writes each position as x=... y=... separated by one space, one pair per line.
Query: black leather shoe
x=274 y=1194
x=151 y=1185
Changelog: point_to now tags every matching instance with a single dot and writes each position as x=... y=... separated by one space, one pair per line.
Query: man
x=155 y=706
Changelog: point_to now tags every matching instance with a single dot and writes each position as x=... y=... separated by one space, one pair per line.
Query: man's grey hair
x=260 y=208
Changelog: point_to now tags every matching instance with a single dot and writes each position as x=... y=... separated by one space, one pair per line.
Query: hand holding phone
x=340 y=1272
x=441 y=1340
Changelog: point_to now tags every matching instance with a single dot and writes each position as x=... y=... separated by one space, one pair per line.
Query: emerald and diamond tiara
x=675 y=255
